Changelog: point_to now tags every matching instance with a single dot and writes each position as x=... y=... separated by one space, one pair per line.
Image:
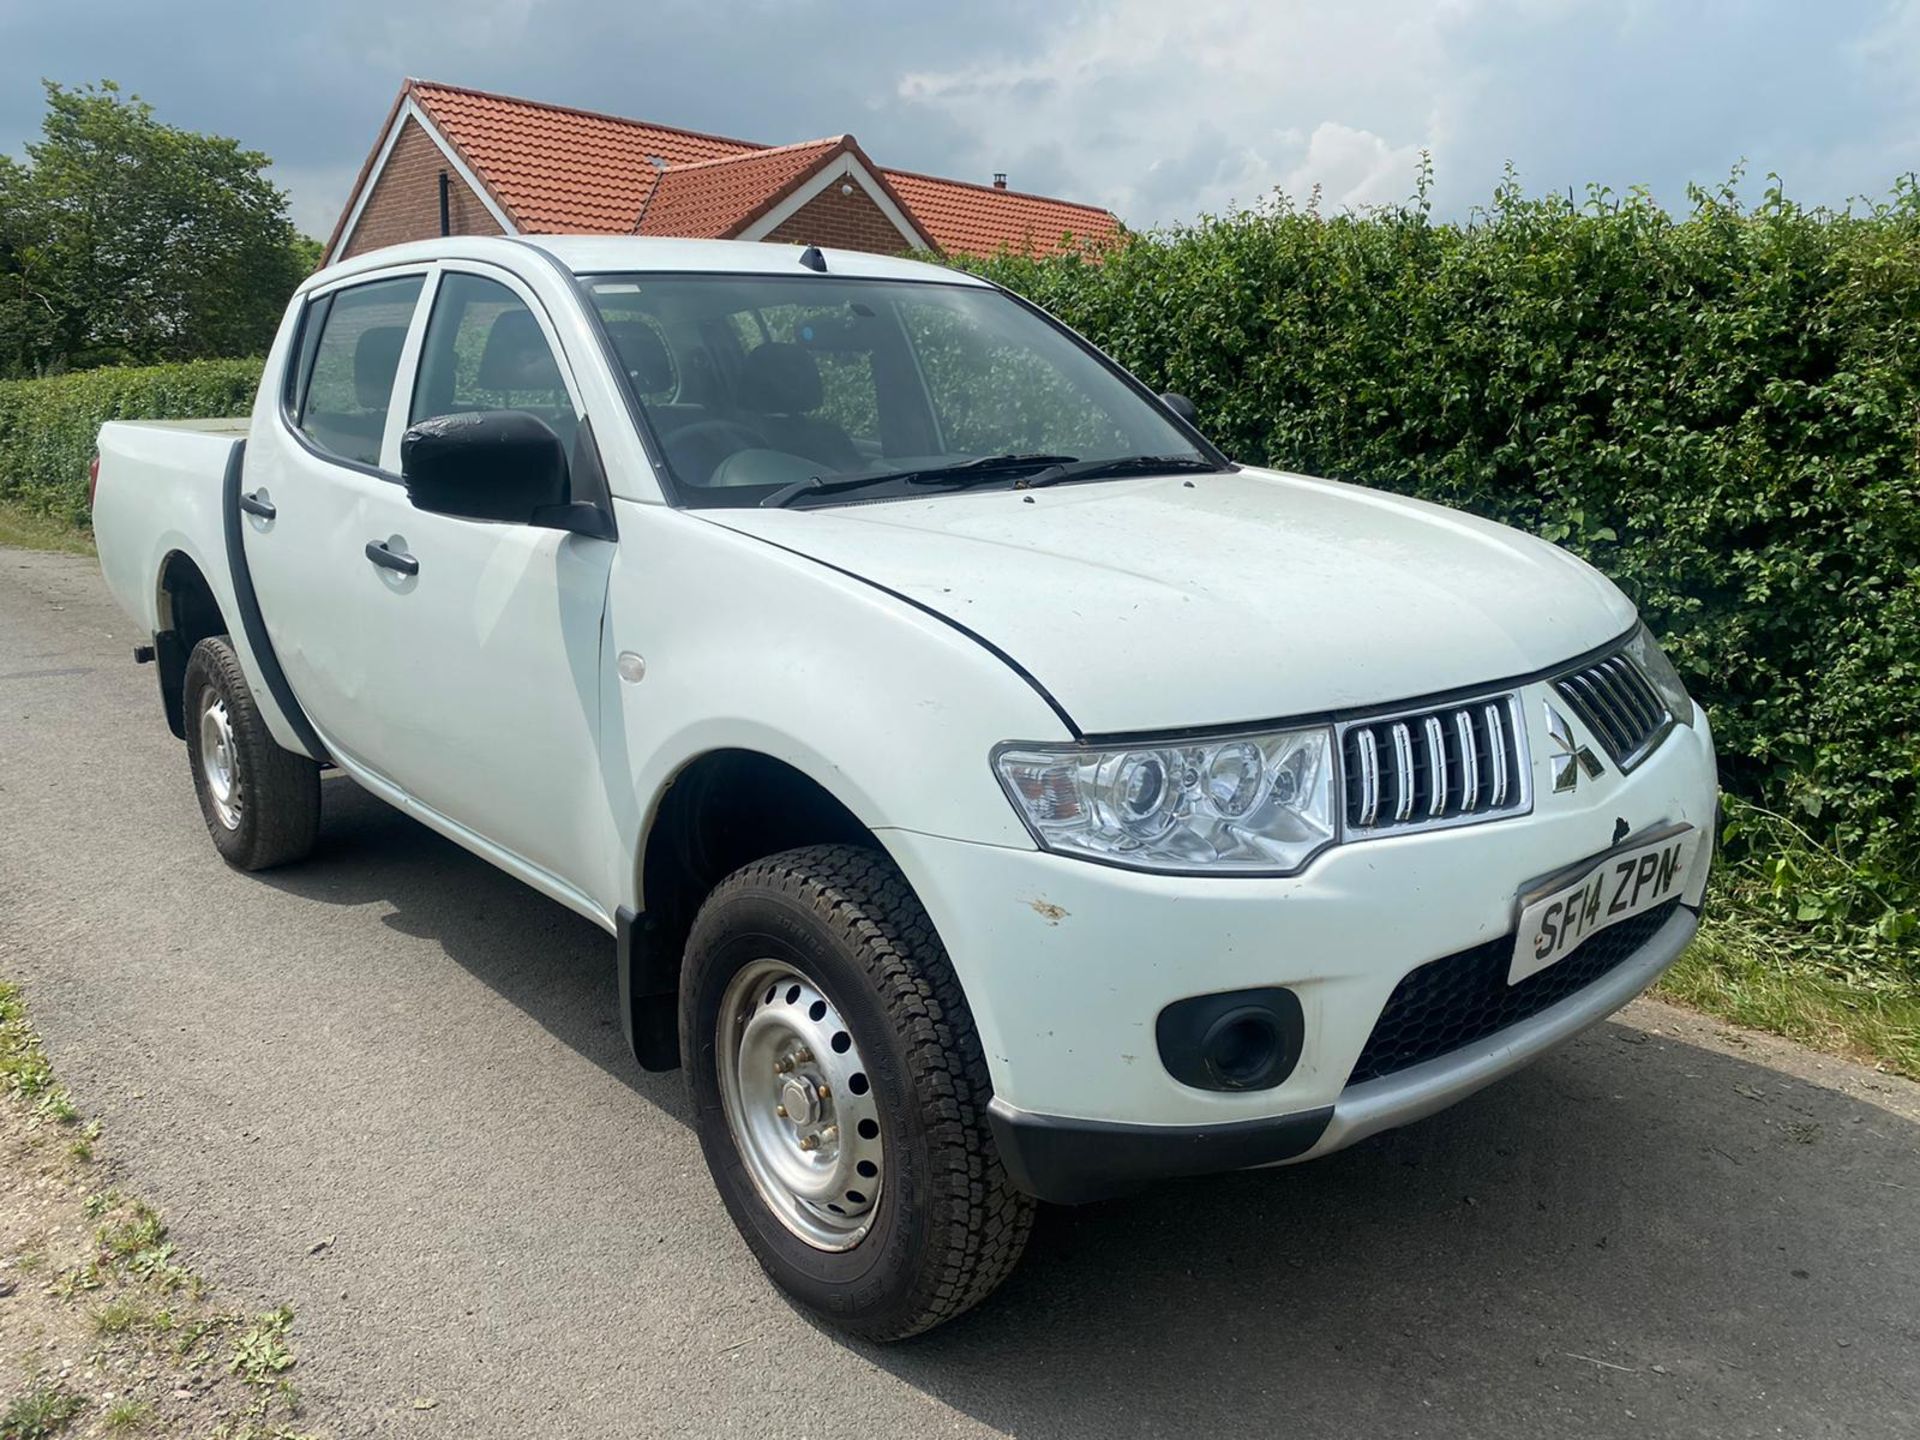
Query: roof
x=556 y=169
x=982 y=219
x=618 y=254
x=553 y=169
x=714 y=198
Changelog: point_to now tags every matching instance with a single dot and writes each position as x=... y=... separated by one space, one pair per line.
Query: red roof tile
x=711 y=199
x=982 y=219
x=554 y=169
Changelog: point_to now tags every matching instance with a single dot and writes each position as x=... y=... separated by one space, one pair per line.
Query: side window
x=485 y=351
x=349 y=384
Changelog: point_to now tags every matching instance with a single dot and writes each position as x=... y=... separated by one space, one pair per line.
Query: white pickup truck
x=995 y=792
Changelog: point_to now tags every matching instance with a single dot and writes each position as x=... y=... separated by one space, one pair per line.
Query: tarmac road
x=1663 y=1229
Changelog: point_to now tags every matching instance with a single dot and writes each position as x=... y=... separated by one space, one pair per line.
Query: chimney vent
x=999 y=179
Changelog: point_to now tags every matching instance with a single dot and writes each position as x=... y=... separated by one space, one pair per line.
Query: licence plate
x=1615 y=887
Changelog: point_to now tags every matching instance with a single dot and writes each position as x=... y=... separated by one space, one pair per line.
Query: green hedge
x=48 y=427
x=1721 y=411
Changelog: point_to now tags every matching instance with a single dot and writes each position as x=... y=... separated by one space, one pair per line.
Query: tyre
x=261 y=803
x=840 y=1094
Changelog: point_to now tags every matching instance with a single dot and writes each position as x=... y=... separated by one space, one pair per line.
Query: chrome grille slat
x=1618 y=705
x=1469 y=761
x=1436 y=766
x=1497 y=748
x=1645 y=702
x=1403 y=773
x=1626 y=715
x=1369 y=778
x=1450 y=764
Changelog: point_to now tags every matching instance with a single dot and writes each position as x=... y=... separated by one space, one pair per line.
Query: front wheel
x=261 y=803
x=840 y=1094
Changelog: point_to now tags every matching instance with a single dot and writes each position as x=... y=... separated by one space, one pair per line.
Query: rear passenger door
x=309 y=486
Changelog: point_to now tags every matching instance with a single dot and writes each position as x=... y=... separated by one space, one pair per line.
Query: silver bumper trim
x=1420 y=1090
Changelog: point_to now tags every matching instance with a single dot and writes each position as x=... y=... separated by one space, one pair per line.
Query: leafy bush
x=1721 y=411
x=48 y=427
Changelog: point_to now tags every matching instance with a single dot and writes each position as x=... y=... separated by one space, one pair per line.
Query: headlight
x=1646 y=653
x=1247 y=804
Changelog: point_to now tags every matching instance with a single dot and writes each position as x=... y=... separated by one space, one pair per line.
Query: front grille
x=1616 y=702
x=1449 y=765
x=1464 y=997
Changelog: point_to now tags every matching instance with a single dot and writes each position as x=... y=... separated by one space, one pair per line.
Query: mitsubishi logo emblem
x=1569 y=757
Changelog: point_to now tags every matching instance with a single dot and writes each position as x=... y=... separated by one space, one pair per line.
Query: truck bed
x=159 y=505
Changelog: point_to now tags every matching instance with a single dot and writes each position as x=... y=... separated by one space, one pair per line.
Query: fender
x=248 y=603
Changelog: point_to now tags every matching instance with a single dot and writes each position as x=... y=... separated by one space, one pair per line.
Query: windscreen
x=764 y=386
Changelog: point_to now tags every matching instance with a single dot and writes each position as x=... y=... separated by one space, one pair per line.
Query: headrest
x=643 y=355
x=376 y=355
x=780 y=380
x=516 y=356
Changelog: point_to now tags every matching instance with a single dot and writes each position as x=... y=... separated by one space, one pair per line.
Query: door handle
x=256 y=504
x=379 y=554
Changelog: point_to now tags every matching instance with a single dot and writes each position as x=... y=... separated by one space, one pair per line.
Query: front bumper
x=1072 y=1161
x=1067 y=964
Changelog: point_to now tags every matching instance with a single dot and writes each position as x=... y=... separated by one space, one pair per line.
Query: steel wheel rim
x=799 y=1104
x=220 y=759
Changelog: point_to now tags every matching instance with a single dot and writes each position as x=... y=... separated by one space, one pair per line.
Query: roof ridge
x=824 y=142
x=746 y=145
x=998 y=190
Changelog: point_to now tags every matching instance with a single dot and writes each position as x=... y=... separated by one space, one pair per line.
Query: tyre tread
x=281 y=805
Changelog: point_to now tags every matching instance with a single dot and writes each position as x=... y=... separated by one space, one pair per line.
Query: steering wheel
x=696 y=450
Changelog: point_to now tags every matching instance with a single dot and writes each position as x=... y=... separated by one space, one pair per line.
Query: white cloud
x=1162 y=111
x=1353 y=168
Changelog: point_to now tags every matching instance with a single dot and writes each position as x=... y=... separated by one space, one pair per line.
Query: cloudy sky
x=1160 y=110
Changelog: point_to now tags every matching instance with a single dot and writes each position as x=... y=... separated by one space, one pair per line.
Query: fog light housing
x=1234 y=1040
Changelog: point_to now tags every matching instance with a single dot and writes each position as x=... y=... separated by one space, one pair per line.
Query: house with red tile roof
x=453 y=161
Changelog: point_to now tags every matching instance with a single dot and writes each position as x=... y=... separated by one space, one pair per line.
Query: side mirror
x=1180 y=405
x=485 y=465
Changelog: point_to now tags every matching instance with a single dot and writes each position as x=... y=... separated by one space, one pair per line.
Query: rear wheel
x=840 y=1094
x=261 y=803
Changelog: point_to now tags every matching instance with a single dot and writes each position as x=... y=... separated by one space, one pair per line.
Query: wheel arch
x=723 y=808
x=188 y=611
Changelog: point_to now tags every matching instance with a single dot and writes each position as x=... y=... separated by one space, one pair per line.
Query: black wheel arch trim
x=649 y=973
x=252 y=623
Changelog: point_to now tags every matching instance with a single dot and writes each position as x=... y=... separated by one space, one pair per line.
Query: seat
x=356 y=434
x=517 y=357
x=517 y=362
x=376 y=355
x=643 y=355
x=780 y=385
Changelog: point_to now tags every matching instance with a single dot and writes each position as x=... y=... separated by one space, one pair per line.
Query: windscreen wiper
x=1117 y=465
x=986 y=467
x=963 y=473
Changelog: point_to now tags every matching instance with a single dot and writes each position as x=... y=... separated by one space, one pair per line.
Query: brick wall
x=846 y=222
x=405 y=204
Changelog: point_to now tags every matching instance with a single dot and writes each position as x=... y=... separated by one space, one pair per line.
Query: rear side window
x=349 y=379
x=485 y=350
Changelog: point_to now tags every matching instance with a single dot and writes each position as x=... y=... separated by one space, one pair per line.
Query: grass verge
x=1735 y=973
x=27 y=530
x=103 y=1329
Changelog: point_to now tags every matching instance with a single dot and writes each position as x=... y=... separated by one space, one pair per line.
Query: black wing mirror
x=1181 y=406
x=485 y=465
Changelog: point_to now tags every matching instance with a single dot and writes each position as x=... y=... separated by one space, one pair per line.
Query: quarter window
x=349 y=380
